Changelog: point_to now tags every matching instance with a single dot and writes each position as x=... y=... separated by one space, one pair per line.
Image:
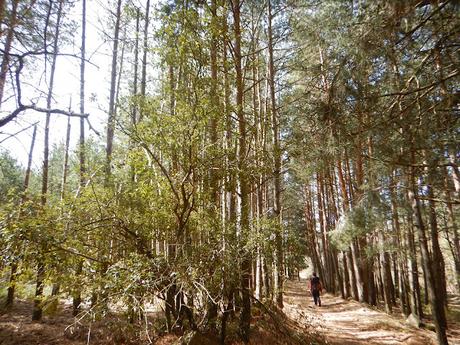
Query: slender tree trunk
x=65 y=169
x=328 y=284
x=352 y=274
x=14 y=264
x=361 y=243
x=349 y=273
x=404 y=287
x=135 y=73
x=386 y=273
x=395 y=276
x=7 y=48
x=310 y=230
x=245 y=318
x=437 y=257
x=258 y=142
x=415 y=298
x=37 y=311
x=455 y=173
x=65 y=164
x=346 y=276
x=277 y=165
x=113 y=88
x=144 y=54
x=230 y=182
x=171 y=308
x=82 y=96
x=455 y=243
x=357 y=270
x=77 y=293
x=371 y=281
x=437 y=306
x=214 y=176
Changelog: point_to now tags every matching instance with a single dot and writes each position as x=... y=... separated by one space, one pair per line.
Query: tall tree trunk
x=401 y=241
x=14 y=265
x=245 y=318
x=65 y=164
x=310 y=231
x=37 y=311
x=352 y=274
x=76 y=294
x=386 y=273
x=135 y=73
x=361 y=242
x=112 y=100
x=346 y=276
x=372 y=291
x=455 y=243
x=393 y=257
x=170 y=308
x=65 y=170
x=144 y=55
x=277 y=165
x=437 y=257
x=415 y=298
x=230 y=179
x=322 y=217
x=357 y=270
x=258 y=142
x=437 y=306
x=214 y=113
x=349 y=273
x=7 y=48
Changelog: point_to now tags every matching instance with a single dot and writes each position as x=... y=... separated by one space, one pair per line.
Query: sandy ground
x=346 y=322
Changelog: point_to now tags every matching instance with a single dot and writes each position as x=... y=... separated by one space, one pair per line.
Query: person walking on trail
x=316 y=289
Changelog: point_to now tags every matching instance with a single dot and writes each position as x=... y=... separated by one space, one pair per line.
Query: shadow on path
x=347 y=322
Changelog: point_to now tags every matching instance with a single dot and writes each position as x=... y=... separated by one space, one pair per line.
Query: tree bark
x=437 y=257
x=415 y=298
x=135 y=73
x=7 y=48
x=386 y=273
x=214 y=176
x=65 y=170
x=144 y=55
x=245 y=318
x=346 y=276
x=112 y=100
x=455 y=243
x=437 y=306
x=277 y=164
x=76 y=294
x=37 y=311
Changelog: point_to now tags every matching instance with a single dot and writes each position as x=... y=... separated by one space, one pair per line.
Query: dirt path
x=345 y=322
x=337 y=321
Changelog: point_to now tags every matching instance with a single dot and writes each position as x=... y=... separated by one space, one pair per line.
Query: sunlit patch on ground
x=349 y=322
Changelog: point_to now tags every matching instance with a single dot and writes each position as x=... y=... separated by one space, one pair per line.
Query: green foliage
x=366 y=218
x=11 y=177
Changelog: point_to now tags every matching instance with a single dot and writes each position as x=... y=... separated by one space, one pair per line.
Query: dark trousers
x=316 y=297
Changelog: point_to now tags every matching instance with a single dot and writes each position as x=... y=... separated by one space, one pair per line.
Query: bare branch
x=21 y=107
x=20 y=131
x=429 y=86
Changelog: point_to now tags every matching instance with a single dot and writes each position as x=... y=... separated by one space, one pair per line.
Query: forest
x=216 y=153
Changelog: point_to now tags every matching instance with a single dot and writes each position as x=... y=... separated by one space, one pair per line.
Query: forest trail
x=349 y=322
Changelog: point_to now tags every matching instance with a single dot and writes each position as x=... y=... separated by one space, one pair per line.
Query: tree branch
x=20 y=131
x=21 y=107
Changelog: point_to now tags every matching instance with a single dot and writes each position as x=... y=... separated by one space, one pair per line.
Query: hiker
x=315 y=289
